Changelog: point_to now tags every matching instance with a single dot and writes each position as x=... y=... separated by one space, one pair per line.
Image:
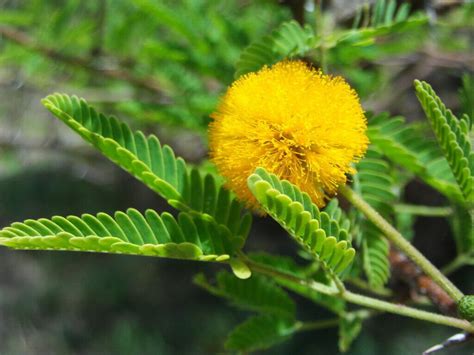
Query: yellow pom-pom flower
x=293 y=121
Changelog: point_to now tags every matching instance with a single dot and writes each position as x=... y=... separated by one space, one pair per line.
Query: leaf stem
x=407 y=311
x=428 y=211
x=319 y=324
x=364 y=285
x=360 y=299
x=320 y=30
x=332 y=322
x=269 y=271
x=401 y=243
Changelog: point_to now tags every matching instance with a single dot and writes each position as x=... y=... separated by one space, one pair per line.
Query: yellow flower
x=293 y=121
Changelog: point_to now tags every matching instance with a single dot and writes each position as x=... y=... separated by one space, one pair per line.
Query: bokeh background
x=161 y=66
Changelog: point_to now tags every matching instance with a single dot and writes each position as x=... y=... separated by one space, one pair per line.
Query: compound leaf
x=287 y=41
x=324 y=234
x=260 y=332
x=153 y=164
x=452 y=135
x=257 y=293
x=150 y=234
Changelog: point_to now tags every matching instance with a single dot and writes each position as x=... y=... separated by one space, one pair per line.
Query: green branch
x=319 y=324
x=363 y=285
x=361 y=300
x=401 y=243
x=428 y=211
x=274 y=273
x=407 y=311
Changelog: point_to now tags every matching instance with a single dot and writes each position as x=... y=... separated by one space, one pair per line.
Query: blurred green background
x=161 y=66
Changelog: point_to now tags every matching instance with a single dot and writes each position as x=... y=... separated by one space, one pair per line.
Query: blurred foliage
x=185 y=50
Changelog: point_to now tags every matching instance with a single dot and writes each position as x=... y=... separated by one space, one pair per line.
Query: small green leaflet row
x=275 y=319
x=258 y=293
x=323 y=234
x=374 y=182
x=287 y=41
x=150 y=234
x=291 y=40
x=212 y=227
x=452 y=135
x=260 y=332
x=384 y=19
x=155 y=165
x=400 y=142
x=289 y=266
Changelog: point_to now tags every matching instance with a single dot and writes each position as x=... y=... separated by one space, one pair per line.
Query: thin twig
x=29 y=43
x=319 y=324
x=427 y=211
x=368 y=302
x=363 y=285
x=401 y=243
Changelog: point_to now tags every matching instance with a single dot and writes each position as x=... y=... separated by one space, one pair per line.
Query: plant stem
x=319 y=324
x=363 y=285
x=265 y=270
x=428 y=211
x=333 y=322
x=401 y=243
x=361 y=300
x=407 y=311
x=320 y=30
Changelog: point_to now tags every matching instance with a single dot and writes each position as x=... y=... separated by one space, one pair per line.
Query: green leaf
x=452 y=135
x=258 y=294
x=281 y=263
x=287 y=265
x=260 y=332
x=240 y=269
x=462 y=222
x=467 y=96
x=385 y=19
x=189 y=237
x=287 y=41
x=409 y=147
x=153 y=164
x=375 y=249
x=374 y=183
x=350 y=326
x=323 y=234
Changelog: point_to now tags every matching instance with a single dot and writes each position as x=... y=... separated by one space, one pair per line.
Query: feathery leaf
x=153 y=164
x=324 y=234
x=287 y=41
x=401 y=142
x=257 y=293
x=150 y=234
x=374 y=184
x=452 y=135
x=260 y=332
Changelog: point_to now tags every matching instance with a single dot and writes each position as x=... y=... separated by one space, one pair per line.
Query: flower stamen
x=293 y=121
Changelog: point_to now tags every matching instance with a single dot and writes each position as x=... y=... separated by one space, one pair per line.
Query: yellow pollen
x=294 y=121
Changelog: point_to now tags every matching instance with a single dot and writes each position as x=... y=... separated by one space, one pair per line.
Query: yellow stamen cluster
x=293 y=121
